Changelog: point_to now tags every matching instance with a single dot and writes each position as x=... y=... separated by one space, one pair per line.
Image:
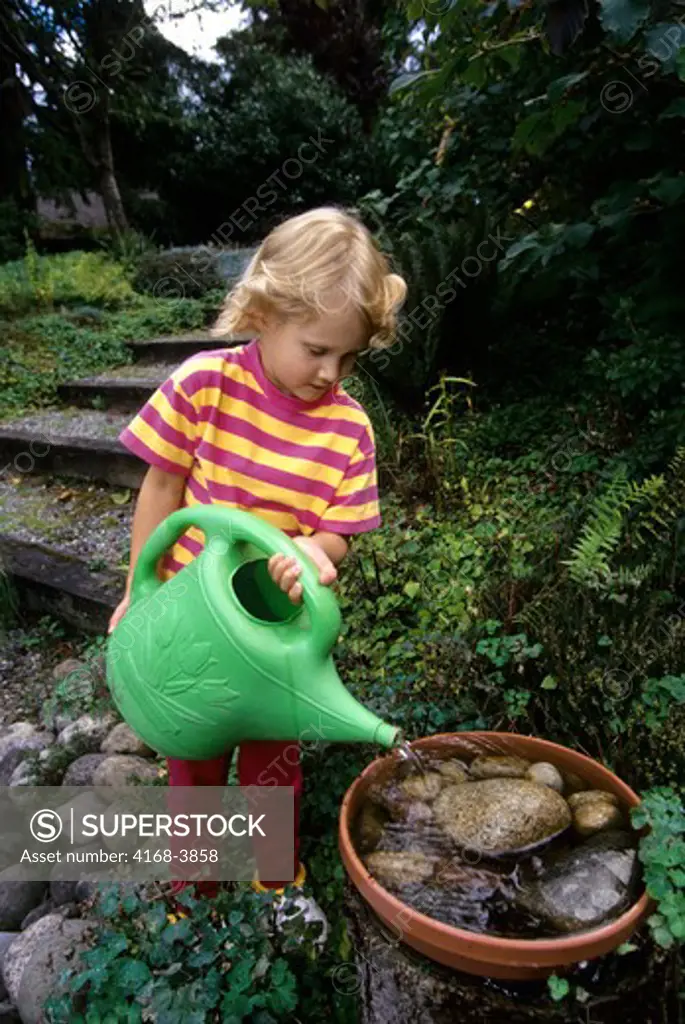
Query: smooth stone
x=573 y=783
x=116 y=770
x=596 y=817
x=419 y=813
x=6 y=940
x=399 y=868
x=586 y=886
x=47 y=907
x=546 y=774
x=35 y=960
x=87 y=729
x=454 y=771
x=81 y=771
x=18 y=897
x=17 y=741
x=84 y=803
x=501 y=815
x=498 y=767
x=123 y=740
x=422 y=787
x=388 y=797
x=591 y=796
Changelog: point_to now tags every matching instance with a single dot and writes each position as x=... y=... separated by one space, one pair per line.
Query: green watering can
x=219 y=654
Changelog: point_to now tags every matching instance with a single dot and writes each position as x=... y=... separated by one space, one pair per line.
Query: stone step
x=66 y=545
x=109 y=392
x=180 y=346
x=51 y=582
x=79 y=443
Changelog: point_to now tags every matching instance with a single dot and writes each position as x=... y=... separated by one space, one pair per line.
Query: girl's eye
x=314 y=352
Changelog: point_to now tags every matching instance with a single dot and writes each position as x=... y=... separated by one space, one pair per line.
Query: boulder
x=123 y=740
x=117 y=769
x=17 y=741
x=18 y=897
x=87 y=729
x=47 y=907
x=6 y=940
x=80 y=772
x=33 y=963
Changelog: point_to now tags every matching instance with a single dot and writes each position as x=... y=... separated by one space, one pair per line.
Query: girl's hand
x=118 y=613
x=284 y=569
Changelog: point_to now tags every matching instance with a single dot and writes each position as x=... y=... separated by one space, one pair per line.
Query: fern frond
x=601 y=534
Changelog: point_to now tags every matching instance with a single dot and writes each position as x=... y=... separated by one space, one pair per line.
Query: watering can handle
x=220 y=523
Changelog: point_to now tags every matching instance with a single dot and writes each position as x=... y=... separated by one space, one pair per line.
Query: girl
x=267 y=427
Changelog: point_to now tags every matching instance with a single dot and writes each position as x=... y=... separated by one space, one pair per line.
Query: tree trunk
x=108 y=185
x=15 y=182
x=396 y=985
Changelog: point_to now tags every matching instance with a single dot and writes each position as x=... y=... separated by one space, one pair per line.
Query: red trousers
x=272 y=762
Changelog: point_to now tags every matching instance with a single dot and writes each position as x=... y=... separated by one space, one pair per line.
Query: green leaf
x=664 y=41
x=409 y=78
x=534 y=133
x=561 y=85
x=559 y=988
x=412 y=588
x=549 y=683
x=132 y=975
x=622 y=18
x=669 y=190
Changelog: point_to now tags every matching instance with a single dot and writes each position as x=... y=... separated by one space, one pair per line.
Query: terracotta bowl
x=488 y=955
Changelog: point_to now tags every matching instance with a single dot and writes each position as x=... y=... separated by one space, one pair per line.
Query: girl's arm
x=161 y=493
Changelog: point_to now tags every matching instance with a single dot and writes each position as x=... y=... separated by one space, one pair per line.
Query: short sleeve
x=164 y=432
x=355 y=507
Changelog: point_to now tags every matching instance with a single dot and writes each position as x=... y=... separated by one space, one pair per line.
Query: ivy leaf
x=664 y=42
x=669 y=190
x=411 y=589
x=622 y=18
x=132 y=975
x=549 y=683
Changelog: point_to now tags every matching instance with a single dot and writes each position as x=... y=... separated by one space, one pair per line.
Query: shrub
x=64 y=279
x=191 y=272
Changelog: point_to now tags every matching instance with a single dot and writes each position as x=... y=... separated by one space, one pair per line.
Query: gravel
x=139 y=371
x=78 y=517
x=71 y=422
x=28 y=656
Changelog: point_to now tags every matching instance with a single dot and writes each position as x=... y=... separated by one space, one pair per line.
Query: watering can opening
x=263 y=599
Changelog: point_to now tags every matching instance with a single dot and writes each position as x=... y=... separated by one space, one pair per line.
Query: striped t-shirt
x=300 y=465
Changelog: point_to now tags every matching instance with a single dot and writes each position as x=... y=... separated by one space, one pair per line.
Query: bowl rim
x=478 y=940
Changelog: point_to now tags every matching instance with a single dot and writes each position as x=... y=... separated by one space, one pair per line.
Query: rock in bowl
x=483 y=954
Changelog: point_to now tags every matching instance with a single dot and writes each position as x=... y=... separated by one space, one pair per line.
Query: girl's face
x=306 y=359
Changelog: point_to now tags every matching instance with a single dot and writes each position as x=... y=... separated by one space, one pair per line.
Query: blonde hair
x=306 y=258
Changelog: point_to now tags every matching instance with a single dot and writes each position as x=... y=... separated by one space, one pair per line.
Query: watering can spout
x=328 y=711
